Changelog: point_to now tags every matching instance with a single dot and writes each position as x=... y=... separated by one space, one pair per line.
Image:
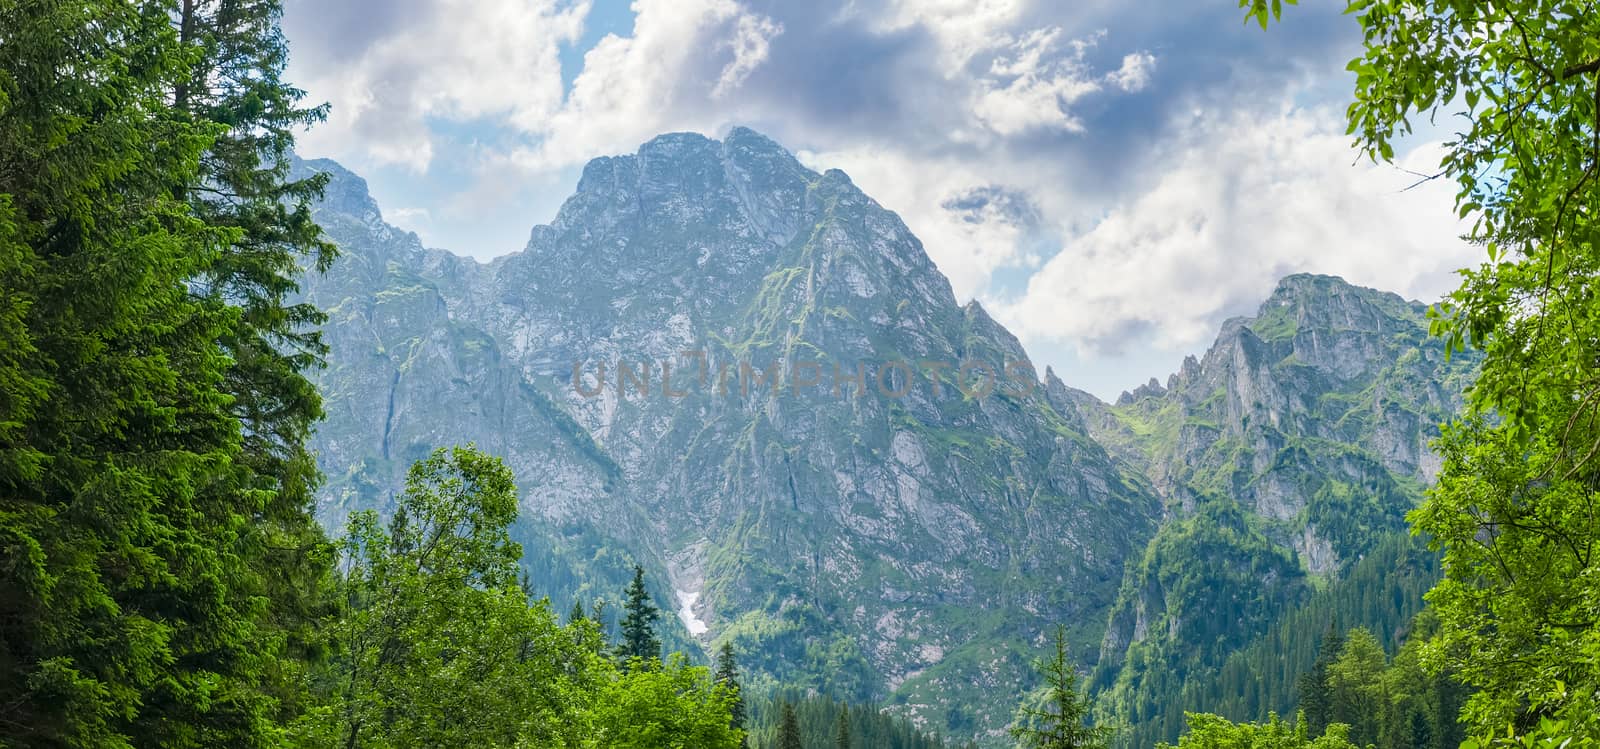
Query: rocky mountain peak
x=884 y=530
x=346 y=192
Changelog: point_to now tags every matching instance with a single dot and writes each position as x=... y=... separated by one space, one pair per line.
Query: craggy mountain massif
x=907 y=539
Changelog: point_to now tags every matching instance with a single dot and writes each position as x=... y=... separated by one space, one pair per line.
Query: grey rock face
x=894 y=534
x=1296 y=444
x=847 y=536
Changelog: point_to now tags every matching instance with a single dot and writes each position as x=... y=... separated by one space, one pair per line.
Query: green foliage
x=1549 y=733
x=1382 y=592
x=433 y=648
x=1355 y=685
x=439 y=646
x=1208 y=731
x=1383 y=702
x=1263 y=11
x=661 y=706
x=818 y=718
x=1054 y=716
x=1521 y=595
x=145 y=597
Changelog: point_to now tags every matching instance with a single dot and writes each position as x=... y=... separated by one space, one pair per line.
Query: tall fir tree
x=243 y=189
x=727 y=674
x=131 y=611
x=1315 y=700
x=841 y=731
x=638 y=622
x=576 y=614
x=789 y=729
x=1055 y=716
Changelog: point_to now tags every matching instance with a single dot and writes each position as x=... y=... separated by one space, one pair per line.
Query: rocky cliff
x=749 y=377
x=779 y=407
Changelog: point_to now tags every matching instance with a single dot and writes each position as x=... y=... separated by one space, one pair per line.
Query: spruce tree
x=841 y=732
x=576 y=614
x=1055 y=717
x=243 y=189
x=727 y=674
x=130 y=606
x=1315 y=699
x=789 y=730
x=638 y=622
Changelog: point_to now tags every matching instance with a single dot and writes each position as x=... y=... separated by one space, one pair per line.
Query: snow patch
x=686 y=601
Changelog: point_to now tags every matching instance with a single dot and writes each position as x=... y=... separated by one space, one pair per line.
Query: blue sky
x=1110 y=179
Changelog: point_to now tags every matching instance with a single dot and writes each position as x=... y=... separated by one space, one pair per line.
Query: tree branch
x=1575 y=70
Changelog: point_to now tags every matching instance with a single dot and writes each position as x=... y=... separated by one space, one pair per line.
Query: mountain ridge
x=909 y=549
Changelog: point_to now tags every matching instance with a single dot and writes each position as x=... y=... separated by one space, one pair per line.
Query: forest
x=164 y=582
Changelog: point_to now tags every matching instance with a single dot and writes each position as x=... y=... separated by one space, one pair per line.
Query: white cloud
x=1031 y=84
x=968 y=249
x=752 y=37
x=963 y=28
x=1240 y=201
x=1135 y=73
x=448 y=59
x=633 y=88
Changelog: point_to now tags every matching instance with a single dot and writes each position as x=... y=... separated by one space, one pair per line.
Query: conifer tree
x=789 y=730
x=638 y=622
x=243 y=189
x=1054 y=718
x=1315 y=700
x=727 y=674
x=130 y=606
x=841 y=732
x=576 y=614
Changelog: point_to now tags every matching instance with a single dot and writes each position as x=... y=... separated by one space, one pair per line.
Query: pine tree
x=1316 y=701
x=789 y=730
x=130 y=612
x=243 y=189
x=727 y=674
x=841 y=732
x=638 y=623
x=1055 y=718
x=1420 y=733
x=576 y=614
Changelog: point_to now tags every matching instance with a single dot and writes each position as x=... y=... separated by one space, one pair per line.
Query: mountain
x=1290 y=451
x=750 y=378
x=844 y=539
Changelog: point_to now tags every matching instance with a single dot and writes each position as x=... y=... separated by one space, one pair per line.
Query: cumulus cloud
x=1048 y=157
x=1032 y=84
x=1241 y=199
x=682 y=54
x=963 y=29
x=1135 y=72
x=421 y=61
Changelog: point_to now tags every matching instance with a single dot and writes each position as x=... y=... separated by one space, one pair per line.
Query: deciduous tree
x=1514 y=507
